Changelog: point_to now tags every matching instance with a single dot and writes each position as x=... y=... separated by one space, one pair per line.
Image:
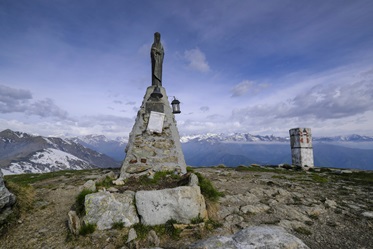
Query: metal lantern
x=156 y=93
x=175 y=106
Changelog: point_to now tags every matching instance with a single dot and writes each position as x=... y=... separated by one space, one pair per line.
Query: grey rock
x=273 y=237
x=109 y=246
x=193 y=181
x=73 y=222
x=330 y=203
x=233 y=219
x=153 y=238
x=90 y=185
x=224 y=211
x=182 y=204
x=7 y=199
x=104 y=209
x=290 y=213
x=240 y=199
x=288 y=224
x=314 y=211
x=132 y=235
x=112 y=190
x=137 y=168
x=110 y=174
x=346 y=171
x=118 y=182
x=251 y=198
x=254 y=209
x=368 y=214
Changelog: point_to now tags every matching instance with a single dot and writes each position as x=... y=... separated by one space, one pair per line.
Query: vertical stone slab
x=151 y=150
x=301 y=147
x=7 y=200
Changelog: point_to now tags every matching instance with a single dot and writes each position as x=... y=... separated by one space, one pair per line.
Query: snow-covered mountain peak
x=94 y=139
x=48 y=160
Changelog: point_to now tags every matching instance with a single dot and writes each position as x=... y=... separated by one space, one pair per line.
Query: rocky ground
x=323 y=209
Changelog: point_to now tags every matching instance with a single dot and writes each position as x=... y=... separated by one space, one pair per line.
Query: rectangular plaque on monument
x=156 y=122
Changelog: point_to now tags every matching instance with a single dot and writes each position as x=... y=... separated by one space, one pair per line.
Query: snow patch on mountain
x=47 y=160
x=53 y=156
x=231 y=138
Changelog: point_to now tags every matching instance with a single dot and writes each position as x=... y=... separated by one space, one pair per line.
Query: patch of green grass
x=87 y=229
x=25 y=195
x=106 y=183
x=26 y=179
x=207 y=189
x=319 y=179
x=213 y=224
x=142 y=230
x=362 y=177
x=189 y=169
x=118 y=225
x=241 y=168
x=164 y=229
x=197 y=220
x=25 y=198
x=170 y=230
x=258 y=168
x=79 y=201
x=158 y=177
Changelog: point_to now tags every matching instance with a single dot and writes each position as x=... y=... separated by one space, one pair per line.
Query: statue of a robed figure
x=157 y=54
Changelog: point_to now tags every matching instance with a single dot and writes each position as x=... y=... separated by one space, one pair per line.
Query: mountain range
x=22 y=152
x=352 y=151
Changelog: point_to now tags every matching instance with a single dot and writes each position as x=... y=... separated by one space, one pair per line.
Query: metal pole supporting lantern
x=175 y=106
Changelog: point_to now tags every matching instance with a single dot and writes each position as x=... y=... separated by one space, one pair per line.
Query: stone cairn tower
x=301 y=147
x=154 y=142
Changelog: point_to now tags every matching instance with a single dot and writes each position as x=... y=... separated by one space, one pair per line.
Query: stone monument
x=301 y=147
x=154 y=145
x=154 y=142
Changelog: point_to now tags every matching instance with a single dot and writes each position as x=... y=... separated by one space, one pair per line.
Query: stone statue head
x=157 y=37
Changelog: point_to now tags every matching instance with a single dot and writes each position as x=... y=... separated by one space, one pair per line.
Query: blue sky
x=72 y=67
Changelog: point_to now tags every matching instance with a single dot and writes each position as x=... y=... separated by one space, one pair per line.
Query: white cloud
x=14 y=100
x=196 y=60
x=320 y=102
x=246 y=86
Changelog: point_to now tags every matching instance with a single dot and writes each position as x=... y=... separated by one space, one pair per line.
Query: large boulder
x=182 y=204
x=7 y=200
x=105 y=208
x=273 y=237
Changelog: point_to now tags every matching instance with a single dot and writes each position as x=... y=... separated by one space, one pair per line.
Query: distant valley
x=21 y=152
x=352 y=151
